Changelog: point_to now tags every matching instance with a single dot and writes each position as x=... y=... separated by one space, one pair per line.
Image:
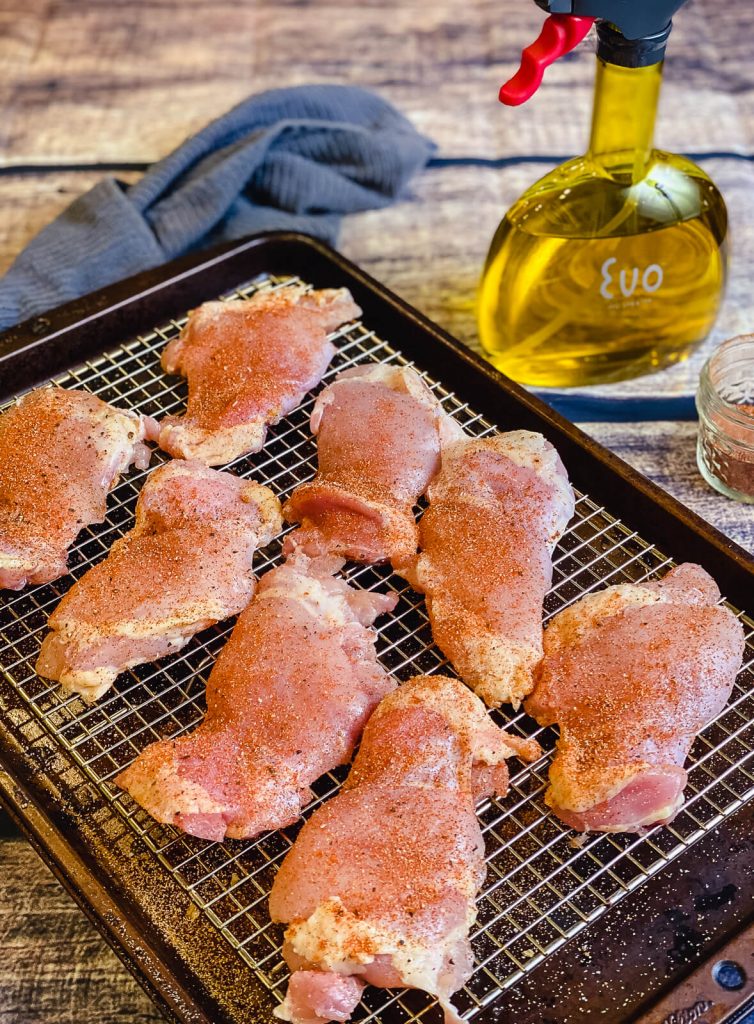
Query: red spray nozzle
x=560 y=34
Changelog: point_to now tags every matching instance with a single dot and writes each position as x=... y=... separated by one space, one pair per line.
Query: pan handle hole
x=729 y=975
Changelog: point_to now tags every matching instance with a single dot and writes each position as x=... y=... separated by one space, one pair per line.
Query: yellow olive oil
x=614 y=264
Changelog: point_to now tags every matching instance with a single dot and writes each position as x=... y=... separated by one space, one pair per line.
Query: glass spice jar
x=725 y=402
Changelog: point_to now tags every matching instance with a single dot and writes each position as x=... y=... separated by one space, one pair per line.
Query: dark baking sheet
x=591 y=935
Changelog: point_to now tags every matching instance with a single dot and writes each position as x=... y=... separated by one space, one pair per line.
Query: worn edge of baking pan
x=45 y=345
x=88 y=894
x=72 y=845
x=707 y=994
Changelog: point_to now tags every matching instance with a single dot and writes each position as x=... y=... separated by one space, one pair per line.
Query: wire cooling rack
x=542 y=886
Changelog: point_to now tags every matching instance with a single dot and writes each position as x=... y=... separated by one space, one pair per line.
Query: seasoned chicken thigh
x=286 y=701
x=248 y=363
x=380 y=431
x=496 y=510
x=60 y=453
x=186 y=564
x=631 y=674
x=380 y=885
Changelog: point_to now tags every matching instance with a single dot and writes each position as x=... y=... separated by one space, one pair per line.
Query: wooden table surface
x=93 y=87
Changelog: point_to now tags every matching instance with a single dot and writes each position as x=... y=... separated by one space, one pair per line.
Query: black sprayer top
x=630 y=33
x=636 y=19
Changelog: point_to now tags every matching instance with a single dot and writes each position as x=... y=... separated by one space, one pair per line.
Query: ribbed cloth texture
x=295 y=159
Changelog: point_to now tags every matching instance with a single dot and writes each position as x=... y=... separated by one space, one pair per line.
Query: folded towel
x=296 y=158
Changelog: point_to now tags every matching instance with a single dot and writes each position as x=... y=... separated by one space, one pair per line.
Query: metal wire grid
x=542 y=888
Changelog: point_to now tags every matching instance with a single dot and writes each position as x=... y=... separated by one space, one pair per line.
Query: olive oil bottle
x=614 y=264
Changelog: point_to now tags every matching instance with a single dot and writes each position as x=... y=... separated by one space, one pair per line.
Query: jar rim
x=733 y=412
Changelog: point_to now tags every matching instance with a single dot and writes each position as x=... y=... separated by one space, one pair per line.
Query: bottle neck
x=625 y=109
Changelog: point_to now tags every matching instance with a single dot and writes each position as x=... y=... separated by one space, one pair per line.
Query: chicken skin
x=380 y=431
x=186 y=564
x=380 y=885
x=286 y=701
x=496 y=510
x=249 y=362
x=632 y=674
x=60 y=453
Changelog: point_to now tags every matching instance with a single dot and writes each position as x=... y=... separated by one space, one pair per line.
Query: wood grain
x=92 y=81
x=55 y=966
x=666 y=453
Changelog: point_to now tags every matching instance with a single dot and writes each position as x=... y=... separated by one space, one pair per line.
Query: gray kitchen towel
x=296 y=158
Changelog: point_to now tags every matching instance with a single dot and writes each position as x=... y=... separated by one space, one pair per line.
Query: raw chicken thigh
x=60 y=453
x=380 y=431
x=248 y=363
x=186 y=564
x=631 y=674
x=380 y=885
x=286 y=701
x=496 y=511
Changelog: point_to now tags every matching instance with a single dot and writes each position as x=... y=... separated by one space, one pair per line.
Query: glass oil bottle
x=614 y=264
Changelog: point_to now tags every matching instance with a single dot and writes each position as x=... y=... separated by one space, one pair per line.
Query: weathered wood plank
x=93 y=81
x=666 y=453
x=55 y=967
